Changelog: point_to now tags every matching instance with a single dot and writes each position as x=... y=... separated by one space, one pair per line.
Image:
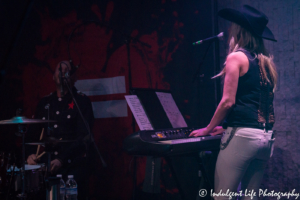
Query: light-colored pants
x=243 y=157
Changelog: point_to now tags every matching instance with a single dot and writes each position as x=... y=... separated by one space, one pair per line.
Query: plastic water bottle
x=62 y=189
x=71 y=188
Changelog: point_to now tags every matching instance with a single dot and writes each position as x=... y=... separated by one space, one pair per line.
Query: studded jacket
x=68 y=126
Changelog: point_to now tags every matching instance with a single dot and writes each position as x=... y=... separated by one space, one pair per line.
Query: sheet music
x=138 y=112
x=171 y=109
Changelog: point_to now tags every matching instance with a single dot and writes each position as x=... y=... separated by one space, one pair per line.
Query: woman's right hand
x=31 y=160
x=199 y=132
x=217 y=130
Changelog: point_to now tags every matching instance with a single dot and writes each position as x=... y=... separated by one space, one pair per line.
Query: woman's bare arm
x=235 y=64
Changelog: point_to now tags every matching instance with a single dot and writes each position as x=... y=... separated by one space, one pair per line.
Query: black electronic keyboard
x=169 y=142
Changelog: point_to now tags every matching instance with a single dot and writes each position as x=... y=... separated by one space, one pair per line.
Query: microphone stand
x=90 y=136
x=23 y=195
x=128 y=40
x=48 y=151
x=22 y=131
x=197 y=73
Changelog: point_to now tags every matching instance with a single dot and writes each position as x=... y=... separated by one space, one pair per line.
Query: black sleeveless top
x=254 y=99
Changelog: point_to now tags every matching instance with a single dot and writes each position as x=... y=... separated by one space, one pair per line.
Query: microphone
x=72 y=71
x=67 y=75
x=219 y=36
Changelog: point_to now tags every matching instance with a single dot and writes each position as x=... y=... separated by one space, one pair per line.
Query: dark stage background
x=34 y=38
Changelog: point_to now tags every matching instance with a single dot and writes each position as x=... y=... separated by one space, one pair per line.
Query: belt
x=263 y=126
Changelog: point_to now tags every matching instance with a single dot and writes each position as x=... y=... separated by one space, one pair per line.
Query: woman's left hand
x=199 y=132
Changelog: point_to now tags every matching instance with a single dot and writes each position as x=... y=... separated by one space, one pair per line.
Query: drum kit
x=29 y=180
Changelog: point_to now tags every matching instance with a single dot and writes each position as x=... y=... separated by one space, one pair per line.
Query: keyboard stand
x=206 y=158
x=181 y=193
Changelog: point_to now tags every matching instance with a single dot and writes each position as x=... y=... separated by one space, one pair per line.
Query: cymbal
x=43 y=143
x=24 y=120
x=51 y=141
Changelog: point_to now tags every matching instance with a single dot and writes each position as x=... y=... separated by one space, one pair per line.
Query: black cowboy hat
x=250 y=19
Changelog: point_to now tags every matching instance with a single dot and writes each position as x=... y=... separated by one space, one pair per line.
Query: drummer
x=69 y=158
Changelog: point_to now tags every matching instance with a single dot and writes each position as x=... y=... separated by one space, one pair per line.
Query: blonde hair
x=242 y=38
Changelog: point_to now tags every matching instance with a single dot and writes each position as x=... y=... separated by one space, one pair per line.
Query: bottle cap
x=59 y=175
x=70 y=176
